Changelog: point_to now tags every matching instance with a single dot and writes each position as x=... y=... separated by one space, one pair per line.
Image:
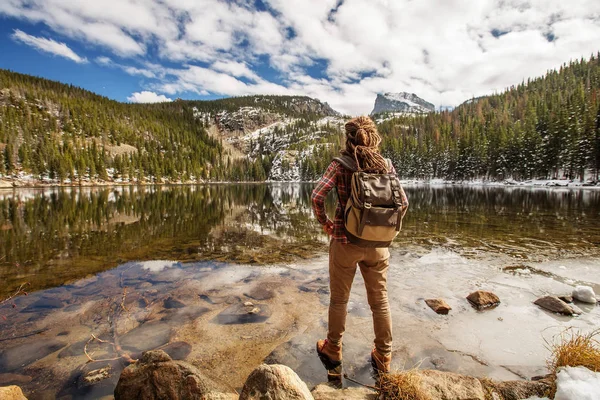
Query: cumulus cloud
x=343 y=52
x=48 y=46
x=148 y=97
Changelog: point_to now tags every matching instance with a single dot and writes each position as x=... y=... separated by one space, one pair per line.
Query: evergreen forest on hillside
x=547 y=127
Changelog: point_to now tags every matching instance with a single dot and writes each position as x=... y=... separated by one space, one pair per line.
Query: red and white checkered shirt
x=336 y=176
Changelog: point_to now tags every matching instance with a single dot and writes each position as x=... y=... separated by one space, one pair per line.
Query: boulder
x=438 y=305
x=555 y=305
x=482 y=299
x=11 y=393
x=274 y=382
x=585 y=294
x=157 y=376
x=326 y=392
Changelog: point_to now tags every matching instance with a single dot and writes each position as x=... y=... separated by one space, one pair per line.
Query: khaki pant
x=373 y=263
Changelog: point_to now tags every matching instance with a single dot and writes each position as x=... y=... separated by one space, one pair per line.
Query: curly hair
x=362 y=143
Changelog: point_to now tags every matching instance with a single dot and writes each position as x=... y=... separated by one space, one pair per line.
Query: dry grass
x=573 y=349
x=403 y=385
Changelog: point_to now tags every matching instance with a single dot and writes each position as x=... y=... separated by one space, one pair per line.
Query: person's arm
x=326 y=183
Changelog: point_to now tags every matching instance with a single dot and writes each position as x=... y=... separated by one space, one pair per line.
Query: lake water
x=170 y=267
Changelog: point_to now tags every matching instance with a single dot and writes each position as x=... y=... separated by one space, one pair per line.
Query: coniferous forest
x=547 y=127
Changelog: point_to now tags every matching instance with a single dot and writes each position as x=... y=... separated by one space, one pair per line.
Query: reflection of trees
x=562 y=217
x=49 y=237
x=68 y=233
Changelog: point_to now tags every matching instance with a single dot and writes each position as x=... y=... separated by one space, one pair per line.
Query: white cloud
x=446 y=52
x=148 y=97
x=48 y=46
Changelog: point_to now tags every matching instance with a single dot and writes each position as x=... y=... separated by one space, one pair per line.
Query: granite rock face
x=157 y=376
x=274 y=382
x=401 y=102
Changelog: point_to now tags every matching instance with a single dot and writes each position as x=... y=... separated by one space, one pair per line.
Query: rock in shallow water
x=25 y=354
x=157 y=376
x=438 y=305
x=147 y=336
x=274 y=382
x=240 y=314
x=555 y=305
x=178 y=350
x=585 y=294
x=482 y=299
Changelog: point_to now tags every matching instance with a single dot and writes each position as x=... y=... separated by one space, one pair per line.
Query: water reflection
x=49 y=237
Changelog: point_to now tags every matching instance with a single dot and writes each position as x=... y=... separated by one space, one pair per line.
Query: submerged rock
x=12 y=393
x=260 y=293
x=178 y=350
x=482 y=299
x=44 y=304
x=241 y=314
x=585 y=294
x=274 y=382
x=148 y=336
x=25 y=354
x=555 y=305
x=173 y=303
x=157 y=376
x=438 y=305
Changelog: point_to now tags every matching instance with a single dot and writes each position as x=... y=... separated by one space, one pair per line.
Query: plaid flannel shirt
x=336 y=176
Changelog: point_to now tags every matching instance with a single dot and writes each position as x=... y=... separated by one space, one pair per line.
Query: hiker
x=357 y=243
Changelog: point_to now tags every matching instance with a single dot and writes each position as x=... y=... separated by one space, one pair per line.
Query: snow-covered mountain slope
x=406 y=103
x=292 y=138
x=289 y=143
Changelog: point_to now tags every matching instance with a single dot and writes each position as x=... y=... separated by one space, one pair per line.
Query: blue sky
x=340 y=51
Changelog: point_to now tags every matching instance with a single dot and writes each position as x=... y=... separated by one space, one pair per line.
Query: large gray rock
x=555 y=305
x=274 y=382
x=157 y=376
x=401 y=102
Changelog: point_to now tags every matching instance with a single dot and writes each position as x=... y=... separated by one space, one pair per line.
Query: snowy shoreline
x=536 y=183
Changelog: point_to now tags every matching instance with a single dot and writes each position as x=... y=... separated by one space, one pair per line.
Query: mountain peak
x=402 y=102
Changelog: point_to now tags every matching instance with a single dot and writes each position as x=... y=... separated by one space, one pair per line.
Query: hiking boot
x=330 y=355
x=380 y=363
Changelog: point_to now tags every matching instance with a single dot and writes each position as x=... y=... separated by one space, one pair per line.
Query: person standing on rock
x=362 y=151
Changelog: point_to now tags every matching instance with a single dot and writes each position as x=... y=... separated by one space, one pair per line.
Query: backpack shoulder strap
x=389 y=165
x=347 y=162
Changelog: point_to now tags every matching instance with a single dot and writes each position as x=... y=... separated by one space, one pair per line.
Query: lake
x=161 y=266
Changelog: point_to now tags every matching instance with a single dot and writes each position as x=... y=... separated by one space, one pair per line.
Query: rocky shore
x=457 y=319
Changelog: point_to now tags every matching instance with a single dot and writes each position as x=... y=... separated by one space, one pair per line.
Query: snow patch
x=577 y=383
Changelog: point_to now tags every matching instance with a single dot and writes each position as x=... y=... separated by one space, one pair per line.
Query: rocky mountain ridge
x=403 y=102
